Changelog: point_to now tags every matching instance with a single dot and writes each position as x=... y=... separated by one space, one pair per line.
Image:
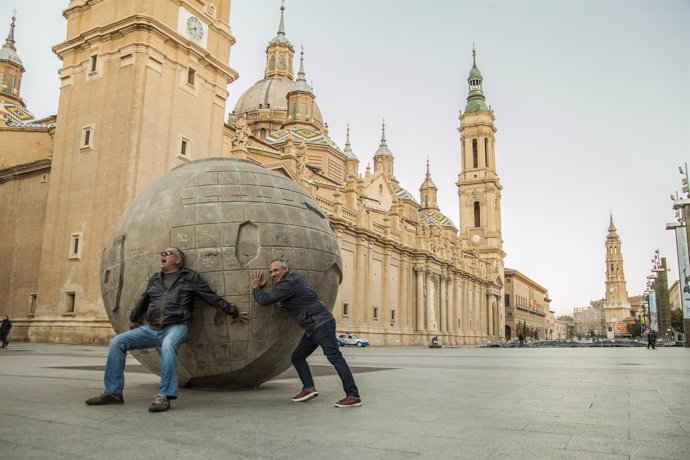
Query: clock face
x=476 y=238
x=195 y=28
x=612 y=289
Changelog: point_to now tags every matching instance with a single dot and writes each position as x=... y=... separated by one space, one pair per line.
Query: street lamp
x=681 y=205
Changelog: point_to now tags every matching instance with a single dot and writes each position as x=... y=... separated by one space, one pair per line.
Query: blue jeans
x=167 y=339
x=323 y=336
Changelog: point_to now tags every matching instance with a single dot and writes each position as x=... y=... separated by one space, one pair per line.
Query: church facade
x=144 y=89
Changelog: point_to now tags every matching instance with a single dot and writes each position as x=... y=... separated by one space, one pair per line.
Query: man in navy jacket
x=293 y=293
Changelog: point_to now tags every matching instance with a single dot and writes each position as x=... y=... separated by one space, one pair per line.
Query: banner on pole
x=654 y=323
x=683 y=270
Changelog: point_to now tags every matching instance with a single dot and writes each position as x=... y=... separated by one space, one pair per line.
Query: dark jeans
x=323 y=336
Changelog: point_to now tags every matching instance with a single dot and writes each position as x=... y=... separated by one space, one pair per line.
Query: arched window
x=475 y=154
x=486 y=152
x=477 y=219
x=272 y=64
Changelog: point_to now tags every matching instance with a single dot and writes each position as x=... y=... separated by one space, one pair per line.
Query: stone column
x=490 y=315
x=385 y=307
x=457 y=308
x=476 y=309
x=452 y=325
x=427 y=301
x=420 y=299
x=443 y=305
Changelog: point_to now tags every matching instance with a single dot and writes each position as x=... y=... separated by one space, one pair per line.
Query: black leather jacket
x=174 y=305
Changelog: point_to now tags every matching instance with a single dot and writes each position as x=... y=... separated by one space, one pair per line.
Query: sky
x=591 y=99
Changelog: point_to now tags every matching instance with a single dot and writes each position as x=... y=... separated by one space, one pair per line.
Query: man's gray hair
x=282 y=263
x=179 y=254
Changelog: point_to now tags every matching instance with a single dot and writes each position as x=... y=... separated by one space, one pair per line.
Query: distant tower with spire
x=383 y=158
x=616 y=304
x=616 y=291
x=428 y=192
x=352 y=160
x=300 y=99
x=479 y=188
x=11 y=69
x=279 y=52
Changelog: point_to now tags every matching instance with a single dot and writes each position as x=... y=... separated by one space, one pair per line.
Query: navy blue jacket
x=299 y=299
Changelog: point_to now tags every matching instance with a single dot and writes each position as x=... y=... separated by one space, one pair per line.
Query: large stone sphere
x=230 y=217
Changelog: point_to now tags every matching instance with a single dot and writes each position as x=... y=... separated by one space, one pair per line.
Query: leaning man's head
x=277 y=269
x=172 y=259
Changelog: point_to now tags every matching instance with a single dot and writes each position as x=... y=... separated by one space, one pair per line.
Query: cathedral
x=144 y=89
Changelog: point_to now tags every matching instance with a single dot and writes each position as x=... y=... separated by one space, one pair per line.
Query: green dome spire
x=475 y=99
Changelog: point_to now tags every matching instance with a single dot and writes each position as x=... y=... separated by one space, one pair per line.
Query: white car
x=350 y=340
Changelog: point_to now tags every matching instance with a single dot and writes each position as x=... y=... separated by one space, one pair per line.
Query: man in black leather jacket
x=293 y=293
x=167 y=303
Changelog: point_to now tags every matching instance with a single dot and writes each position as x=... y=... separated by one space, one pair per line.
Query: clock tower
x=479 y=193
x=616 y=292
x=479 y=188
x=616 y=305
x=143 y=87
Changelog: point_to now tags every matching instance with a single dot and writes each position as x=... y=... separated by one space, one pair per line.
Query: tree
x=635 y=328
x=677 y=319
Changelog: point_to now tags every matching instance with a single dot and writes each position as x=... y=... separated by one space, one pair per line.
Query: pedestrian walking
x=651 y=339
x=5 y=330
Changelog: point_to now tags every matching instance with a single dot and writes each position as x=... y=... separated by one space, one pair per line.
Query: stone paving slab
x=449 y=403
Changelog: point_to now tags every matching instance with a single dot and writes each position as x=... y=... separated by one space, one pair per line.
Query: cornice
x=25 y=169
x=137 y=22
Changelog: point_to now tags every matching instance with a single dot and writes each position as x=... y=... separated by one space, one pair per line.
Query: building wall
x=589 y=322
x=126 y=105
x=21 y=146
x=23 y=197
x=674 y=298
x=527 y=303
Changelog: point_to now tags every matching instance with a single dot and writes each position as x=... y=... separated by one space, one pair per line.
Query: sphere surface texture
x=230 y=217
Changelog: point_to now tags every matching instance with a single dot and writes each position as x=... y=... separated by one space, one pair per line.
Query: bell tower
x=479 y=188
x=143 y=90
x=616 y=291
x=616 y=306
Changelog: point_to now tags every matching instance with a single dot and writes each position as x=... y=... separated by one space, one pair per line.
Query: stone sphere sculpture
x=230 y=217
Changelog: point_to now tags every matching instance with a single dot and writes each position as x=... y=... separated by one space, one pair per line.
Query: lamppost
x=651 y=301
x=681 y=205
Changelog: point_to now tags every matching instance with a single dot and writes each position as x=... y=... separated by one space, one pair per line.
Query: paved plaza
x=449 y=403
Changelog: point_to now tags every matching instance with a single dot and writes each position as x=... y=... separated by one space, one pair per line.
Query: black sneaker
x=105 y=398
x=160 y=403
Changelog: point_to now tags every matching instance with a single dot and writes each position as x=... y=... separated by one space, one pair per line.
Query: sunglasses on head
x=167 y=253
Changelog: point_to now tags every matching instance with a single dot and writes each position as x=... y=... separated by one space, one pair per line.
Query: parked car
x=350 y=340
